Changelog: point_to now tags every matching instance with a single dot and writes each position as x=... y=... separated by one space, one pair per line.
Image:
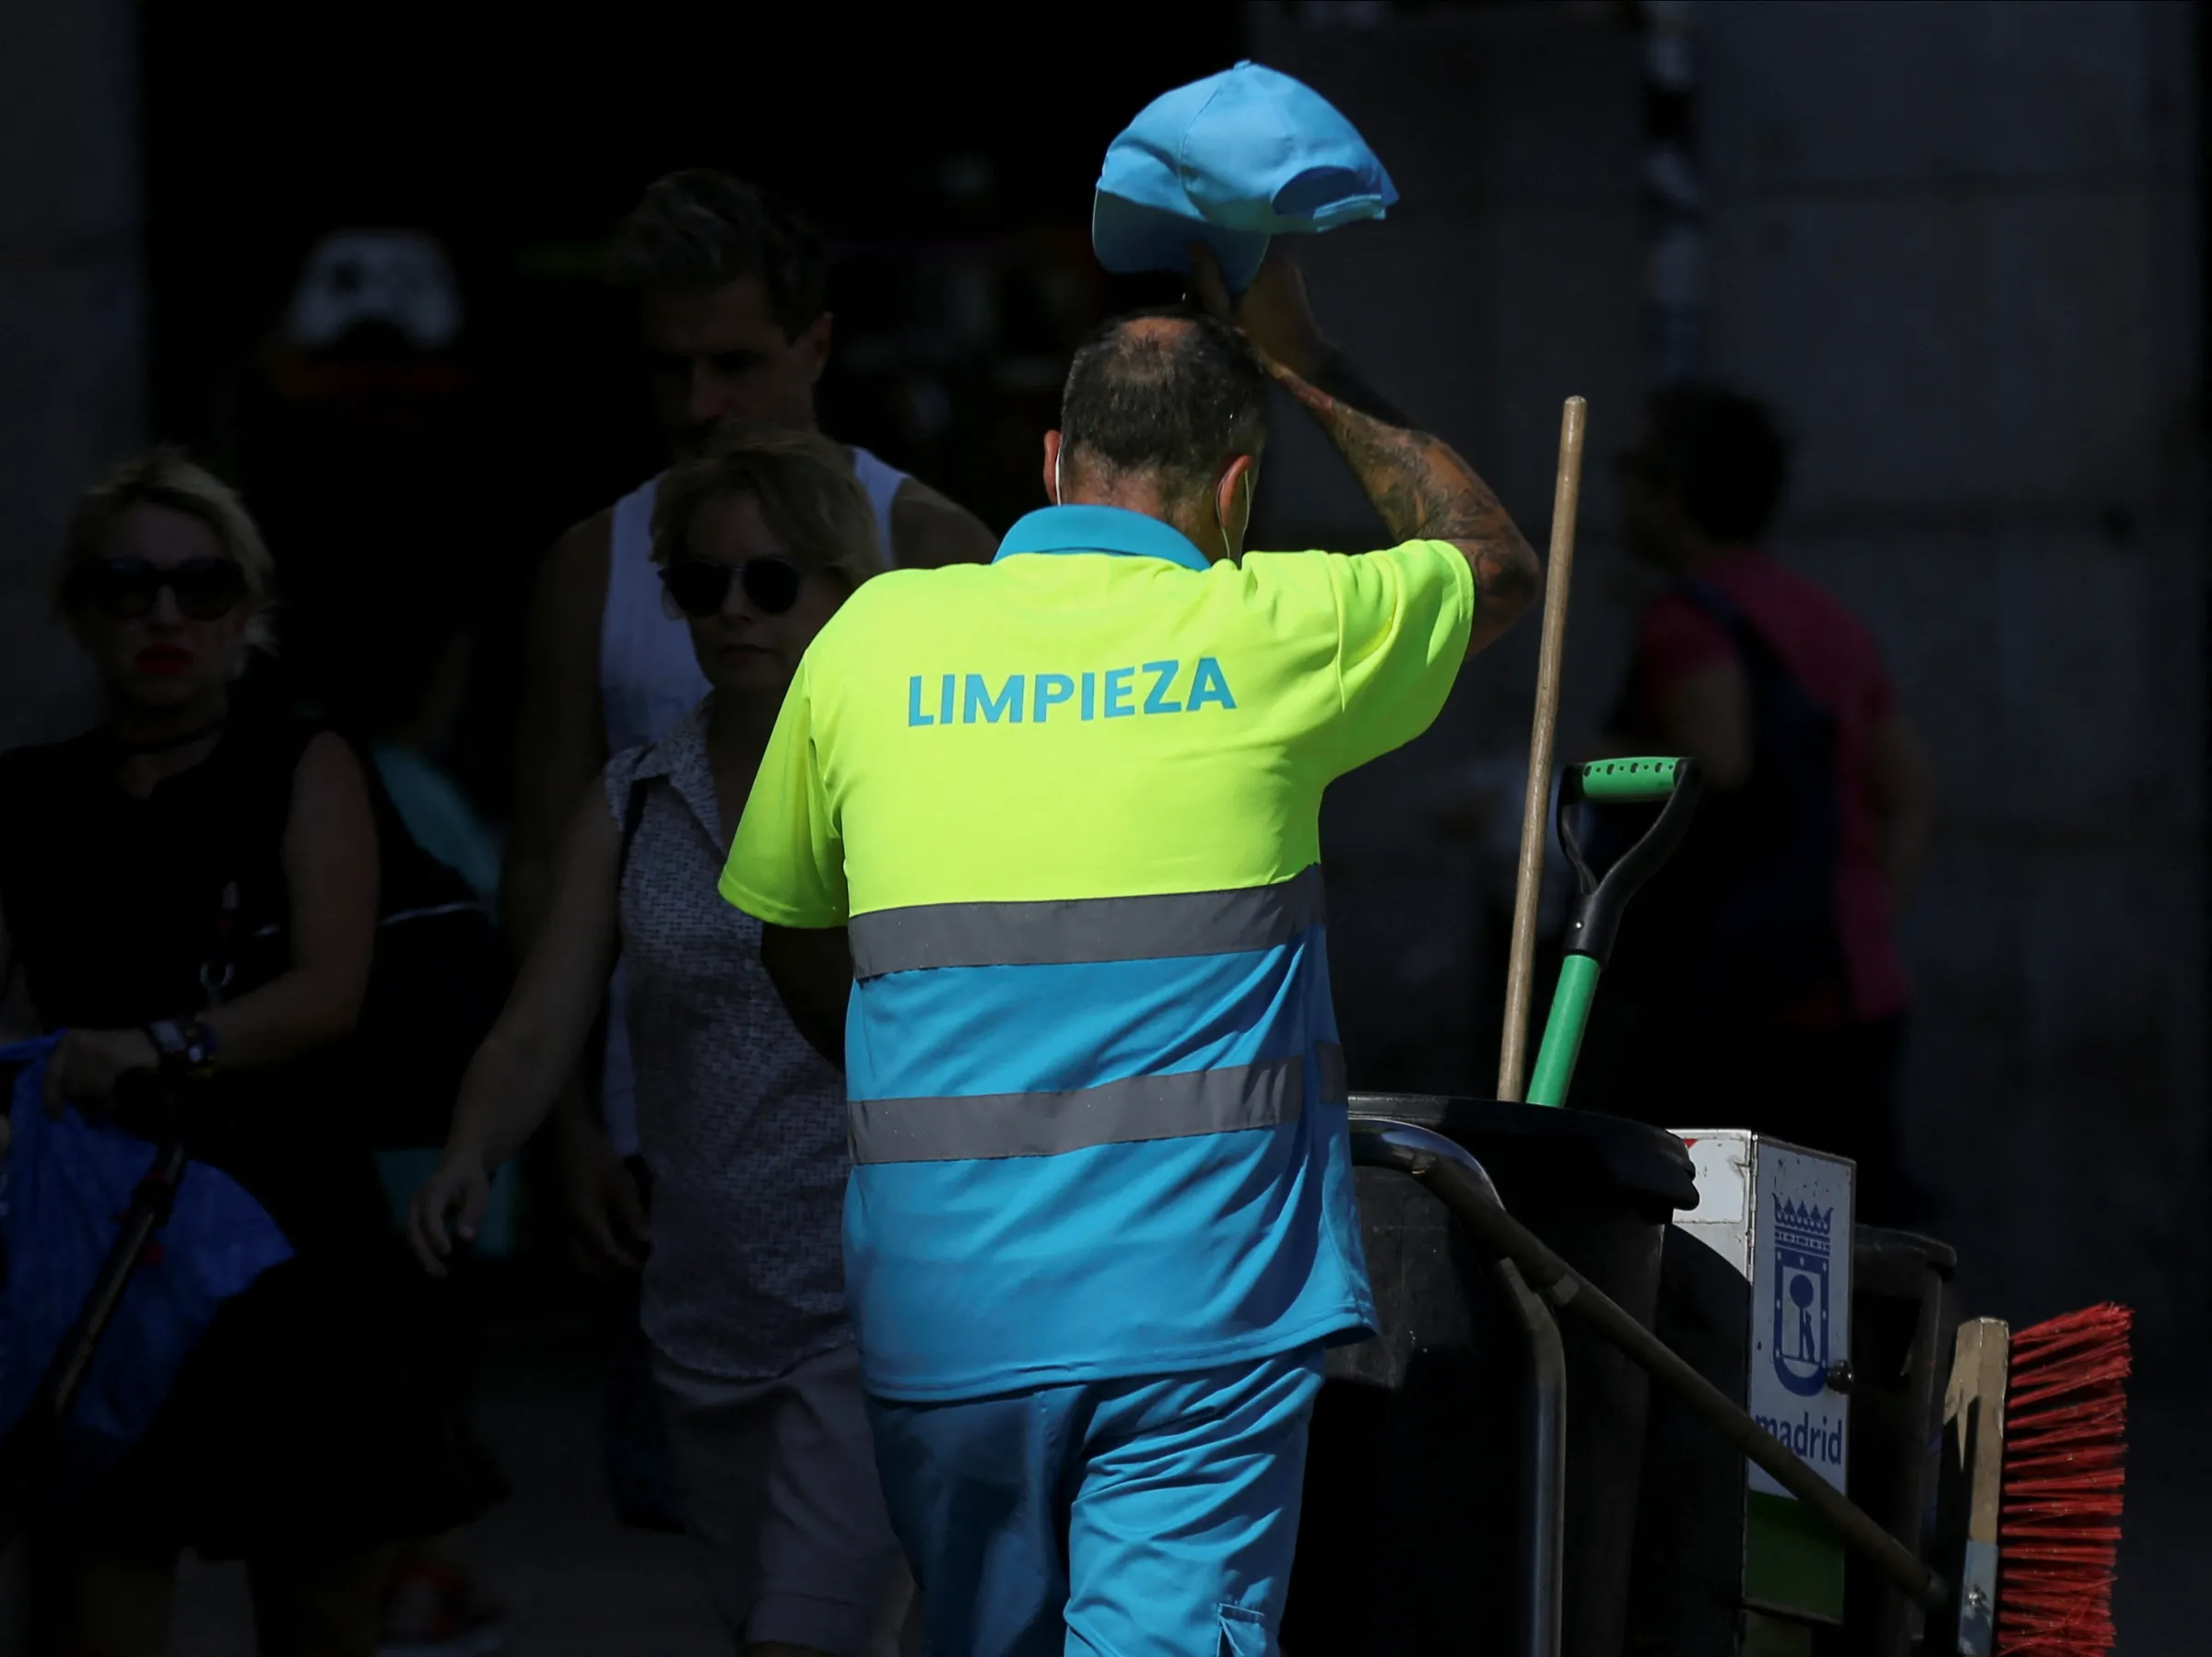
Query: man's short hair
x=1175 y=401
x=1722 y=456
x=700 y=228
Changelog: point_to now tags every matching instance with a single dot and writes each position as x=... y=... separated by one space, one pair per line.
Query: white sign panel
x=1801 y=1305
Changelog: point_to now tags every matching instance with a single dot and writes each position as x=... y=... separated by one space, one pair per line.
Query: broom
x=2039 y=1422
x=2058 y=1536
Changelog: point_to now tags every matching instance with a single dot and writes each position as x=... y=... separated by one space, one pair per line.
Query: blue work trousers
x=1154 y=1517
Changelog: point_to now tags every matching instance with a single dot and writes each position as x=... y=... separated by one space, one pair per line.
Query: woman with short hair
x=185 y=885
x=741 y=1123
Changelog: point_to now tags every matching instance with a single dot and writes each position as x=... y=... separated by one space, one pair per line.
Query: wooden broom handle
x=1512 y=1057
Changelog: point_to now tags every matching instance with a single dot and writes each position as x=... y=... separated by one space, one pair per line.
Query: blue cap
x=1232 y=161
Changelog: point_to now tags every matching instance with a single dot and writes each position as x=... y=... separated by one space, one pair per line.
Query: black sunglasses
x=127 y=589
x=698 y=587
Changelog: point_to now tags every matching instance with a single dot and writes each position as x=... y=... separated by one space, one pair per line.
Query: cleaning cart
x=1456 y=1500
x=1497 y=1472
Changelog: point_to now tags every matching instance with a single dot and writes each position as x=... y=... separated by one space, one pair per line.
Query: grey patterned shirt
x=741 y=1123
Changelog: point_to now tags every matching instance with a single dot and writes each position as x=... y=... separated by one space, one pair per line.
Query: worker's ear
x=1052 y=467
x=1232 y=502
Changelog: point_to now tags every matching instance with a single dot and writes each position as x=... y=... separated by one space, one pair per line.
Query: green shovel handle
x=1624 y=781
x=1596 y=915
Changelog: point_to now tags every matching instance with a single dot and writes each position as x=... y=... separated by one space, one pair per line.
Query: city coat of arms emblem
x=1802 y=1243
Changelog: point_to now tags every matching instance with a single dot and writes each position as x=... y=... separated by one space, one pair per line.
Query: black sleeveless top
x=112 y=906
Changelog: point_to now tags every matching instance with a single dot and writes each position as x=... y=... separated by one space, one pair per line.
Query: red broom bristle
x=2058 y=1533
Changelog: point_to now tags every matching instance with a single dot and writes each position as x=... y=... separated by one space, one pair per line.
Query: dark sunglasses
x=127 y=589
x=698 y=587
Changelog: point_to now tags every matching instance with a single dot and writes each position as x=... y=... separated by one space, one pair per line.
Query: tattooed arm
x=1424 y=491
x=1419 y=486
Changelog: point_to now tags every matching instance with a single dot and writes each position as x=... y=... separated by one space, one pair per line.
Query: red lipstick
x=162 y=660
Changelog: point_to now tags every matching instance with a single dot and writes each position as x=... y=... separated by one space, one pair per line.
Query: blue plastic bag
x=64 y=1187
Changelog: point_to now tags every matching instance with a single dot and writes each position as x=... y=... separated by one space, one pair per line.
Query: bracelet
x=184 y=1054
x=169 y=1043
x=201 y=1049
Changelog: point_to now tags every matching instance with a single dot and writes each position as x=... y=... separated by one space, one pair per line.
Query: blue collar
x=1108 y=529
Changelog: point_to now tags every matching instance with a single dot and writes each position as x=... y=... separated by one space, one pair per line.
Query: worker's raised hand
x=1274 y=312
x=448 y=1207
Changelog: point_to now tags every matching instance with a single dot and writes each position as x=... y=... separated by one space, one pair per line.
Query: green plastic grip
x=1620 y=782
x=1563 y=1031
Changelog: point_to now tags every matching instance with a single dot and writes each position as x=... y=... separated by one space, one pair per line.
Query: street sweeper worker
x=1063 y=811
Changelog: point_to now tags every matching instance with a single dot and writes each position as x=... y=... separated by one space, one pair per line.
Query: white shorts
x=775 y=1481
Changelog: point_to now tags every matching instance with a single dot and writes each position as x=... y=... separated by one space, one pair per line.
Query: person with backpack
x=1762 y=960
x=191 y=889
x=758 y=540
x=398 y=683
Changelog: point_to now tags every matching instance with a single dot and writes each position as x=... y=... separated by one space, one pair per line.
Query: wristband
x=184 y=1054
x=169 y=1043
x=202 y=1047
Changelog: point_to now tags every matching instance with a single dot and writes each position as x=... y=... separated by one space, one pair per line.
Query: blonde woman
x=140 y=864
x=741 y=1125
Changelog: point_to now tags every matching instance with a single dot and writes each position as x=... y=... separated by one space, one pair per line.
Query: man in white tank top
x=731 y=320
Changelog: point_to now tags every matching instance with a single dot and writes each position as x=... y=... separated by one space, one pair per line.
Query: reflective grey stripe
x=988 y=1127
x=1058 y=931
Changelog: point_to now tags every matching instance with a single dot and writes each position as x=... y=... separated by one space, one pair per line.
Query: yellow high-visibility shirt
x=1069 y=805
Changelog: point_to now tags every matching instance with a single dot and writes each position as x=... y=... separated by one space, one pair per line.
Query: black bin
x=1410 y=1539
x=1904 y=1317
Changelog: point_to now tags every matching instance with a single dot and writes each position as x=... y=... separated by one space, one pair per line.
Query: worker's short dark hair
x=700 y=228
x=1177 y=401
x=1722 y=455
